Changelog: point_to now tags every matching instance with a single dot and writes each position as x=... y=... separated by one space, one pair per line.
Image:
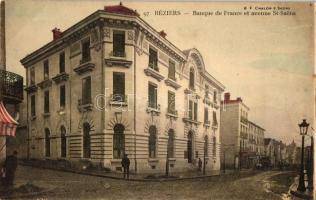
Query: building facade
x=242 y=139
x=112 y=85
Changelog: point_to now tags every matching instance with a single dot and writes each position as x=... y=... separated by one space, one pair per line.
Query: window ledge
x=173 y=115
x=46 y=114
x=191 y=121
x=61 y=77
x=33 y=117
x=172 y=83
x=207 y=124
x=171 y=159
x=84 y=67
x=31 y=89
x=118 y=61
x=207 y=100
x=153 y=73
x=45 y=83
x=118 y=103
x=85 y=107
x=153 y=160
x=153 y=110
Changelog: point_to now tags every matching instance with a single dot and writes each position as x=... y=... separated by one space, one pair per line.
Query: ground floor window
x=190 y=147
x=47 y=142
x=118 y=141
x=86 y=140
x=63 y=142
x=152 y=141
x=170 y=146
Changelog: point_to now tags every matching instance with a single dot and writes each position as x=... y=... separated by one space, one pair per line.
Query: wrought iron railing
x=11 y=86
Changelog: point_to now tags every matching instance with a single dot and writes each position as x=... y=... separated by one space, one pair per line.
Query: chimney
x=162 y=34
x=56 y=33
x=239 y=99
x=226 y=96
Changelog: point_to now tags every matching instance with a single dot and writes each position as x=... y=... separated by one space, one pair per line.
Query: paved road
x=256 y=185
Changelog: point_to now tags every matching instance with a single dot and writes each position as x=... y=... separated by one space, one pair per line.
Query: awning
x=7 y=123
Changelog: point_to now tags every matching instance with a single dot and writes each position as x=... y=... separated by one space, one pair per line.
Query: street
x=249 y=185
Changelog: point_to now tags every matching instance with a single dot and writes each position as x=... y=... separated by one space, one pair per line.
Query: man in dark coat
x=10 y=165
x=125 y=164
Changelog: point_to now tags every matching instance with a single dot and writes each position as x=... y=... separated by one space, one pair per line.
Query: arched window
x=118 y=141
x=152 y=141
x=170 y=147
x=191 y=85
x=63 y=142
x=86 y=140
x=214 y=146
x=206 y=146
x=47 y=142
x=190 y=147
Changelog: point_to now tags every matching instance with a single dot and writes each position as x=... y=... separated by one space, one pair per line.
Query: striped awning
x=7 y=123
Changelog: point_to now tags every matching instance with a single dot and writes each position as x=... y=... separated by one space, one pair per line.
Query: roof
x=120 y=9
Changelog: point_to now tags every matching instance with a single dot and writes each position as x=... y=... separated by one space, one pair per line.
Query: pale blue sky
x=266 y=60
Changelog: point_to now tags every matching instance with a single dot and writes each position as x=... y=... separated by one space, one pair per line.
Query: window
x=63 y=142
x=190 y=147
x=119 y=43
x=33 y=108
x=86 y=141
x=206 y=146
x=152 y=141
x=171 y=102
x=172 y=70
x=215 y=96
x=191 y=81
x=205 y=115
x=170 y=148
x=206 y=90
x=86 y=90
x=32 y=75
x=62 y=96
x=214 y=146
x=46 y=102
x=47 y=142
x=195 y=111
x=118 y=86
x=118 y=141
x=153 y=59
x=190 y=109
x=62 y=62
x=214 y=119
x=152 y=96
x=85 y=45
x=46 y=69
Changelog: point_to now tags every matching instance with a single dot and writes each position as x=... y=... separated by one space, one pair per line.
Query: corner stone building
x=111 y=84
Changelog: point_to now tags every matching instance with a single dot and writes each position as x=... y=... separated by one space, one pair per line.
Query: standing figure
x=125 y=164
x=10 y=166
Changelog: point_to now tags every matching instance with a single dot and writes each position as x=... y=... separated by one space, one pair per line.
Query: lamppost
x=303 y=131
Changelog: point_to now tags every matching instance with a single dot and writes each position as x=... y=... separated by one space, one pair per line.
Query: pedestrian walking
x=10 y=165
x=200 y=164
x=125 y=164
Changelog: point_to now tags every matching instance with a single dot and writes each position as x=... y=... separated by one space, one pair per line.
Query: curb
x=131 y=179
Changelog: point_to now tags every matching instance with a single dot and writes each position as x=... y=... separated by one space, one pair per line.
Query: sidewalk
x=301 y=195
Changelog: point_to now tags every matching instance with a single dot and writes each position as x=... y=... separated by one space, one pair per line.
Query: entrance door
x=190 y=144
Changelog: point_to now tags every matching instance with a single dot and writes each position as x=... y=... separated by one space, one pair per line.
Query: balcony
x=244 y=120
x=207 y=100
x=118 y=100
x=153 y=108
x=32 y=88
x=85 y=66
x=207 y=123
x=172 y=83
x=45 y=83
x=61 y=77
x=189 y=119
x=118 y=59
x=84 y=105
x=172 y=113
x=154 y=73
x=11 y=87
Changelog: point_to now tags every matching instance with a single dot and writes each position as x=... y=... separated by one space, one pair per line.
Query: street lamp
x=303 y=131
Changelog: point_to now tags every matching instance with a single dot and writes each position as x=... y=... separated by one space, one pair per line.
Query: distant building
x=255 y=143
x=234 y=131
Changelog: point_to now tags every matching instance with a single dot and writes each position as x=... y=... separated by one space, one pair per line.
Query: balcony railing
x=118 y=99
x=118 y=54
x=11 y=86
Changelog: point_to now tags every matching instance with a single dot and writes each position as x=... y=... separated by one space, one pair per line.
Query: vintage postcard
x=157 y=100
